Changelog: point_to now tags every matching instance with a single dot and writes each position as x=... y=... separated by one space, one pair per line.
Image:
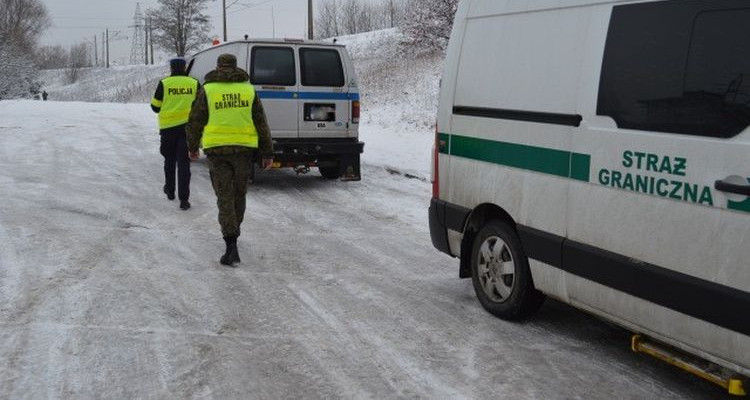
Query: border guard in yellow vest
x=229 y=119
x=172 y=101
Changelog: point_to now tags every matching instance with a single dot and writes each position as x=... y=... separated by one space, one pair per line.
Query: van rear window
x=321 y=67
x=273 y=66
x=678 y=66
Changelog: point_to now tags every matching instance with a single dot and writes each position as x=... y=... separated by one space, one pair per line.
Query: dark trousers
x=174 y=149
x=229 y=177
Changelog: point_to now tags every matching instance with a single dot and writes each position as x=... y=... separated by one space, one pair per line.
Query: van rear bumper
x=313 y=148
x=444 y=216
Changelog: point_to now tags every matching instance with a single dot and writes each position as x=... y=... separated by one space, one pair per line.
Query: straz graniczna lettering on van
x=598 y=152
x=635 y=180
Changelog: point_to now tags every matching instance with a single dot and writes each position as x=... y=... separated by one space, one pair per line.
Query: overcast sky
x=76 y=21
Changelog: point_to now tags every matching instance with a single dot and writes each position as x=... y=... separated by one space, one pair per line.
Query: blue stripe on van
x=267 y=94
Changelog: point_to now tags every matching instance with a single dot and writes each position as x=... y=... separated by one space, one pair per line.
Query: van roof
x=273 y=41
x=483 y=8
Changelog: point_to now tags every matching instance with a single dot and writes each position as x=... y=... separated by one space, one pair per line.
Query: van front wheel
x=500 y=273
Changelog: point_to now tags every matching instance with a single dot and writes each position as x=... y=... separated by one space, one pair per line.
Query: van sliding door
x=665 y=214
x=273 y=72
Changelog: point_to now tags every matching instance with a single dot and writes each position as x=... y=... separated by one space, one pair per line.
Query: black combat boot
x=170 y=195
x=184 y=204
x=231 y=256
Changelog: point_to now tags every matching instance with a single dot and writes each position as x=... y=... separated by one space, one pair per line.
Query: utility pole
x=224 y=9
x=107 y=48
x=309 y=19
x=96 y=53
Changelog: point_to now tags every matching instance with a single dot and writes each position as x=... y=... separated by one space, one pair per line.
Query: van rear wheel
x=500 y=273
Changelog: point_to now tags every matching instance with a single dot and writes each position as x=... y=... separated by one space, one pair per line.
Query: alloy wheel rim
x=497 y=269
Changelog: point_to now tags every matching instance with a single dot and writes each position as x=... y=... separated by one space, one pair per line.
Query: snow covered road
x=108 y=290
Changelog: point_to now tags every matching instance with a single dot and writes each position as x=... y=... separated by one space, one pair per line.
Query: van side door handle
x=732 y=188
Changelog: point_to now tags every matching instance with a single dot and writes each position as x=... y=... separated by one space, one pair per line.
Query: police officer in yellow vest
x=172 y=101
x=228 y=117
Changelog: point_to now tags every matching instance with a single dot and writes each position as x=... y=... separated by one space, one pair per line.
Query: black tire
x=509 y=296
x=330 y=172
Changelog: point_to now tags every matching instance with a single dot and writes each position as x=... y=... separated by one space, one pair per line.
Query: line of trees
x=425 y=23
x=347 y=17
x=73 y=59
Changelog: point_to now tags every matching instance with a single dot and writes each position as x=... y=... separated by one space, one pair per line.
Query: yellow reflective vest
x=179 y=93
x=230 y=115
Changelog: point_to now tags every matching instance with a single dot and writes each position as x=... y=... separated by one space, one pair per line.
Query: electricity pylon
x=137 y=55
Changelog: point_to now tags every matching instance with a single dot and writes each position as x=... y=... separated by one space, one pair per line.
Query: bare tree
x=391 y=12
x=428 y=23
x=346 y=17
x=22 y=21
x=180 y=26
x=78 y=58
x=350 y=16
x=367 y=18
x=51 y=57
x=327 y=20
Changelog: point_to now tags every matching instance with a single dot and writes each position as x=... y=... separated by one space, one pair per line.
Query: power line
x=245 y=6
x=251 y=5
x=90 y=27
x=91 y=18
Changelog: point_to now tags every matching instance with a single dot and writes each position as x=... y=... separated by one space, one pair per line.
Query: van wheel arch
x=476 y=220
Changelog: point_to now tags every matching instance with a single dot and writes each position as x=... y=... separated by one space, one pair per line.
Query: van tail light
x=355 y=112
x=436 y=164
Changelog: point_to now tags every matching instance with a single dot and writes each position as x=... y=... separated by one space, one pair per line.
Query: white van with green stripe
x=310 y=95
x=598 y=152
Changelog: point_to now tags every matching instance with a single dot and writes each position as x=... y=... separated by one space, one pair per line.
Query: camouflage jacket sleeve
x=197 y=121
x=265 y=146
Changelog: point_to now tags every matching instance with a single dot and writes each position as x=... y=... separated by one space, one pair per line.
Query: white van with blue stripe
x=311 y=99
x=598 y=152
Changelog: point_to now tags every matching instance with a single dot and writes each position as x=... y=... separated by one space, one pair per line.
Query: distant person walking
x=172 y=101
x=228 y=116
x=44 y=95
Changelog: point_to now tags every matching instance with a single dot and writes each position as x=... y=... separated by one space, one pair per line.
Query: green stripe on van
x=739 y=206
x=538 y=159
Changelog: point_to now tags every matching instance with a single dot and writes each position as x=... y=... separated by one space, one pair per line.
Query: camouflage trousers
x=229 y=177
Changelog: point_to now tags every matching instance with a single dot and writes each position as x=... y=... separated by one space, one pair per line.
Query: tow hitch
x=301 y=169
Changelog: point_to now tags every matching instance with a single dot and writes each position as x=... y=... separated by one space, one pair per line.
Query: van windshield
x=321 y=67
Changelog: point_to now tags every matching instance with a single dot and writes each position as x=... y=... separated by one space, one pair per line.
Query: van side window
x=321 y=67
x=678 y=66
x=273 y=66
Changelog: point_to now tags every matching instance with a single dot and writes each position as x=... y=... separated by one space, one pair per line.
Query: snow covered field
x=108 y=290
